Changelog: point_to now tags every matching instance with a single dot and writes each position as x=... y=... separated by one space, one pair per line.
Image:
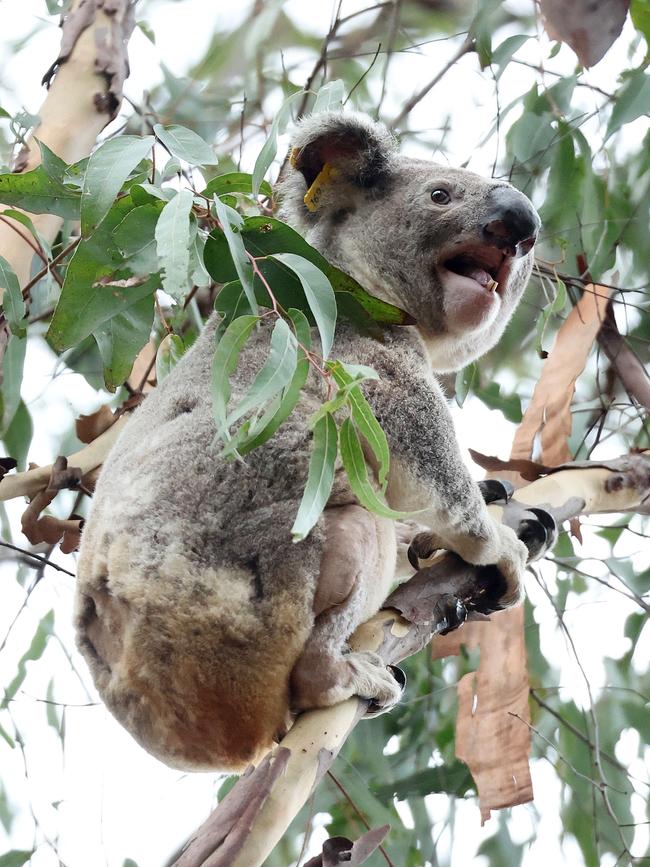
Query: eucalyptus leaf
x=169 y=353
x=121 y=338
x=319 y=479
x=36 y=192
x=319 y=293
x=12 y=378
x=357 y=472
x=234 y=182
x=186 y=144
x=276 y=374
x=270 y=147
x=224 y=362
x=108 y=168
x=330 y=96
x=12 y=298
x=173 y=244
x=240 y=259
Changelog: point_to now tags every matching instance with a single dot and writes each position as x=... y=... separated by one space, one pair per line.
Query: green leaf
x=15 y=858
x=12 y=377
x=34 y=651
x=121 y=337
x=37 y=193
x=330 y=97
x=366 y=423
x=234 y=182
x=464 y=382
x=108 y=168
x=265 y=236
x=355 y=466
x=319 y=293
x=242 y=263
x=225 y=361
x=186 y=145
x=632 y=101
x=230 y=303
x=502 y=55
x=453 y=779
x=87 y=300
x=267 y=426
x=54 y=166
x=276 y=374
x=509 y=405
x=173 y=244
x=12 y=299
x=17 y=437
x=270 y=147
x=135 y=238
x=169 y=353
x=319 y=479
x=640 y=15
x=20 y=217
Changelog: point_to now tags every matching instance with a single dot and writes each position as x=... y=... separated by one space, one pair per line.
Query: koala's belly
x=193 y=603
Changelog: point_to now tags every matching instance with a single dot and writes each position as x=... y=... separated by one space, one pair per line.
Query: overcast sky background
x=115 y=801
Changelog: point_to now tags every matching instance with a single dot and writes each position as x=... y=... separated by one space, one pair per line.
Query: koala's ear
x=352 y=143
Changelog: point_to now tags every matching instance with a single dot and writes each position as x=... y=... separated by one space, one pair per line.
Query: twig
x=43 y=560
x=468 y=45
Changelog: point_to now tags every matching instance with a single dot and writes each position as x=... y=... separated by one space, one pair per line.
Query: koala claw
x=389 y=692
x=538 y=535
x=421 y=548
x=496 y=489
x=451 y=612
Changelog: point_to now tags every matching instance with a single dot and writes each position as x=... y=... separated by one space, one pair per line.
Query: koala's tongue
x=477 y=274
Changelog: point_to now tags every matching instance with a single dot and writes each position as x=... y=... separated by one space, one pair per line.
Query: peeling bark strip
x=341 y=850
x=111 y=39
x=317 y=736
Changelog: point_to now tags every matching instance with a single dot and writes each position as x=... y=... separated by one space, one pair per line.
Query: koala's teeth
x=492 y=286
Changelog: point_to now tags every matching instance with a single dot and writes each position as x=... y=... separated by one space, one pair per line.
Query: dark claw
x=538 y=534
x=418 y=551
x=398 y=674
x=496 y=489
x=450 y=614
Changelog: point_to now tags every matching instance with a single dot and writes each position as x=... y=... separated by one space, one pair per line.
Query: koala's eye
x=440 y=197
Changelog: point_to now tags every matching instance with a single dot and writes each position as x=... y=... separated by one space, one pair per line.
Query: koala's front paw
x=374 y=680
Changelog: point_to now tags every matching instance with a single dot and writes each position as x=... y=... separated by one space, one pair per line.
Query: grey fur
x=203 y=624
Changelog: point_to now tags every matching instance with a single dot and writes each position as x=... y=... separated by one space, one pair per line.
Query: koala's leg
x=356 y=572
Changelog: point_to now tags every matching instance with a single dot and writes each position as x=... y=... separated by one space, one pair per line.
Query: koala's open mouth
x=487 y=266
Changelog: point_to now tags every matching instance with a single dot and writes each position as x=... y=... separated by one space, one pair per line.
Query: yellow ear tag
x=314 y=194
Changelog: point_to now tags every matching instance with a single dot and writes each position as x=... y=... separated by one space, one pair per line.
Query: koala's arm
x=427 y=475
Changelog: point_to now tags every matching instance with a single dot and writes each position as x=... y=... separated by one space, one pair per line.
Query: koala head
x=451 y=248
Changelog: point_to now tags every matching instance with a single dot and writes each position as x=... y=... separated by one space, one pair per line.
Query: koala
x=205 y=627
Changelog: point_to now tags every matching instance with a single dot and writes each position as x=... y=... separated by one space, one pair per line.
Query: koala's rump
x=193 y=603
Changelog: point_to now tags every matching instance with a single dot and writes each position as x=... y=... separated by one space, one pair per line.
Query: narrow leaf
x=186 y=144
x=173 y=244
x=169 y=352
x=237 y=250
x=265 y=429
x=355 y=466
x=270 y=147
x=12 y=299
x=330 y=96
x=319 y=293
x=225 y=361
x=234 y=182
x=12 y=378
x=277 y=372
x=108 y=167
x=21 y=217
x=319 y=480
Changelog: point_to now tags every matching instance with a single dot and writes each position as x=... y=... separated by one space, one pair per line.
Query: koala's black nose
x=511 y=222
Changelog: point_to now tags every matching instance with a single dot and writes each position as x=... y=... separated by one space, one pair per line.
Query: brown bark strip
x=549 y=411
x=628 y=368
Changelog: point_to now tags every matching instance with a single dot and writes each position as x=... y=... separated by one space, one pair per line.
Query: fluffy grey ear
x=351 y=143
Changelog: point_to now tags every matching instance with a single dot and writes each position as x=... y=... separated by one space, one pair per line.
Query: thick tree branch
x=396 y=632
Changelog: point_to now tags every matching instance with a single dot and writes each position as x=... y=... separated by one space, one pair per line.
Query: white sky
x=114 y=800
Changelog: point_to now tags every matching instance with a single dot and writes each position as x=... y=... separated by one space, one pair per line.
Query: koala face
x=451 y=248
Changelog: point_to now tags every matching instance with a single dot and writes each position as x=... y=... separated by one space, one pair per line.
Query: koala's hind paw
x=372 y=679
